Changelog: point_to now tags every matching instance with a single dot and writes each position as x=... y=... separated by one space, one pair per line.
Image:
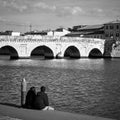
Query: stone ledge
x=27 y=114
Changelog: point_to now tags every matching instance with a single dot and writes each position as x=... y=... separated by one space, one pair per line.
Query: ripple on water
x=89 y=86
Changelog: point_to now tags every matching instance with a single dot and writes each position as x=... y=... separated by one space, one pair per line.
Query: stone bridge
x=50 y=47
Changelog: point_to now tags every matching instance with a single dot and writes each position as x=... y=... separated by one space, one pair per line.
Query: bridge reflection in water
x=50 y=47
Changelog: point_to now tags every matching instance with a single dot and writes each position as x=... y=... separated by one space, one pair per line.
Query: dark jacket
x=41 y=100
x=30 y=99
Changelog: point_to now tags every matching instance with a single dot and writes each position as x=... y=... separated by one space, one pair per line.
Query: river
x=83 y=86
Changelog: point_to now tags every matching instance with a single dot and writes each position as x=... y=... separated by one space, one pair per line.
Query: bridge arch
x=42 y=51
x=72 y=52
x=9 y=52
x=95 y=53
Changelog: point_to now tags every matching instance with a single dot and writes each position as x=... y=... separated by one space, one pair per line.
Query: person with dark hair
x=30 y=98
x=41 y=100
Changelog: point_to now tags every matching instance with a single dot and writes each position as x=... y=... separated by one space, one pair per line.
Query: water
x=83 y=86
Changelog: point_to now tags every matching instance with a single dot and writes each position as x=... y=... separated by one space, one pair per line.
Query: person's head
x=43 y=89
x=32 y=88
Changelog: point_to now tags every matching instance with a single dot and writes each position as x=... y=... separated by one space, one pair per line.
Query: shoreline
x=28 y=114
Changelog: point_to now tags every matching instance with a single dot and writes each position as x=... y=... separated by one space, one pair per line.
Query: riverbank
x=27 y=114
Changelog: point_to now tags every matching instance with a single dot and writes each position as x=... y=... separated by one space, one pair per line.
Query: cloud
x=74 y=10
x=15 y=5
x=1 y=19
x=43 y=5
x=59 y=10
x=6 y=21
x=98 y=10
x=95 y=12
x=114 y=13
x=70 y=11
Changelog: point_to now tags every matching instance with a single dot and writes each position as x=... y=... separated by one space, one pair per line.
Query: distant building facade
x=112 y=30
x=108 y=31
x=56 y=33
x=88 y=31
x=93 y=31
x=15 y=34
x=10 y=33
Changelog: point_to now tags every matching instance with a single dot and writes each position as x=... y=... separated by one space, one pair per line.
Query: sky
x=18 y=15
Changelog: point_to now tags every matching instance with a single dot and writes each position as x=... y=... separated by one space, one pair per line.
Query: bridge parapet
x=32 y=38
x=82 y=40
x=27 y=39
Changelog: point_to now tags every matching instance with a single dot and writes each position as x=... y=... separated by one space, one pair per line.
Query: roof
x=77 y=33
x=60 y=29
x=84 y=33
x=113 y=22
x=78 y=26
x=89 y=27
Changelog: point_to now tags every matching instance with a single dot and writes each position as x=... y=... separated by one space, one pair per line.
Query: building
x=35 y=33
x=15 y=34
x=58 y=32
x=6 y=33
x=108 y=31
x=89 y=31
x=77 y=27
x=10 y=33
x=92 y=31
x=112 y=30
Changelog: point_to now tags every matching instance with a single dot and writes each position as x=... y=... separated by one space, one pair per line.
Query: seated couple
x=39 y=101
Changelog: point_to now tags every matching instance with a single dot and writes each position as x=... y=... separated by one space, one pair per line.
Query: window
x=117 y=26
x=111 y=27
x=111 y=34
x=106 y=35
x=106 y=27
x=117 y=34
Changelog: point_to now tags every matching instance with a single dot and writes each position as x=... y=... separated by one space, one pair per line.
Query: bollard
x=23 y=91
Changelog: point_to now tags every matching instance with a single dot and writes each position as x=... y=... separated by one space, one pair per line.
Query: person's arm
x=46 y=100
